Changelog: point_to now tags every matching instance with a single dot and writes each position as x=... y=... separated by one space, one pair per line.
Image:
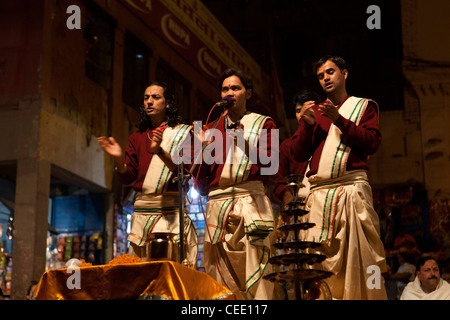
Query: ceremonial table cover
x=152 y=280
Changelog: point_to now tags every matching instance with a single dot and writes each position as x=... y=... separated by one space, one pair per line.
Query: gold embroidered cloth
x=152 y=280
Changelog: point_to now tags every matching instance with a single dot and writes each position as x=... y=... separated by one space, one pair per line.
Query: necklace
x=148 y=130
x=146 y=142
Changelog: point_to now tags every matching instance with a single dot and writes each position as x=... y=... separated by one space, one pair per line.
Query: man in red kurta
x=339 y=135
x=287 y=163
x=147 y=165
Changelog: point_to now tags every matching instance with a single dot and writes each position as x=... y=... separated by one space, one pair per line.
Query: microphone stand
x=182 y=181
x=204 y=145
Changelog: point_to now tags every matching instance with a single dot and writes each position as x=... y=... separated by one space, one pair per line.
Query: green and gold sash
x=336 y=150
x=237 y=165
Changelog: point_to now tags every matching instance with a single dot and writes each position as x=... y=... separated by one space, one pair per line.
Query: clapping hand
x=307 y=113
x=110 y=146
x=329 y=110
x=155 y=145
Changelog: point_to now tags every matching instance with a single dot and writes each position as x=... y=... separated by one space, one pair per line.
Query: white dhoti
x=348 y=228
x=237 y=240
x=160 y=214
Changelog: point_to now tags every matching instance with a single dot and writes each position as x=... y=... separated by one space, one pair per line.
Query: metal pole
x=181 y=206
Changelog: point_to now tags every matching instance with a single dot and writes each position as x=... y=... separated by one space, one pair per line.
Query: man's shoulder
x=362 y=99
x=138 y=133
x=252 y=114
x=408 y=291
x=255 y=118
x=445 y=284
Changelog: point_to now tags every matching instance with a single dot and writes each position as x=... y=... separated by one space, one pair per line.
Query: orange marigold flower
x=85 y=264
x=125 y=259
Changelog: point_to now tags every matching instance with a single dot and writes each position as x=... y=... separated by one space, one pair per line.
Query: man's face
x=298 y=109
x=154 y=101
x=232 y=86
x=429 y=275
x=331 y=78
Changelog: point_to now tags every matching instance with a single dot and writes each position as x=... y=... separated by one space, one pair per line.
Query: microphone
x=226 y=102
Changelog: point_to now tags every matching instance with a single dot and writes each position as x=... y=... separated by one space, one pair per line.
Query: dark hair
x=422 y=261
x=172 y=112
x=339 y=61
x=306 y=95
x=245 y=79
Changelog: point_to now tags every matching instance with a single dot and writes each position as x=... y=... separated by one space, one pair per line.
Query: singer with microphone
x=239 y=215
x=147 y=165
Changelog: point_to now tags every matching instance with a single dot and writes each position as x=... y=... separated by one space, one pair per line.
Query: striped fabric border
x=225 y=209
x=155 y=209
x=256 y=276
x=329 y=210
x=165 y=172
x=254 y=135
x=343 y=150
x=148 y=227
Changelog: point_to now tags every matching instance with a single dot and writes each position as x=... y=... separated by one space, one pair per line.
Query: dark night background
x=299 y=32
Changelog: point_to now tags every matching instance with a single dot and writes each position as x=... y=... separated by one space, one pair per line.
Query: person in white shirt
x=428 y=284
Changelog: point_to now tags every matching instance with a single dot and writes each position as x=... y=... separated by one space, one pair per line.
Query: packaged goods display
x=63 y=247
x=5 y=271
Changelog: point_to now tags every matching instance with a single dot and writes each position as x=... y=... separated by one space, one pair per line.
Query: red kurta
x=364 y=139
x=288 y=165
x=137 y=159
x=209 y=175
